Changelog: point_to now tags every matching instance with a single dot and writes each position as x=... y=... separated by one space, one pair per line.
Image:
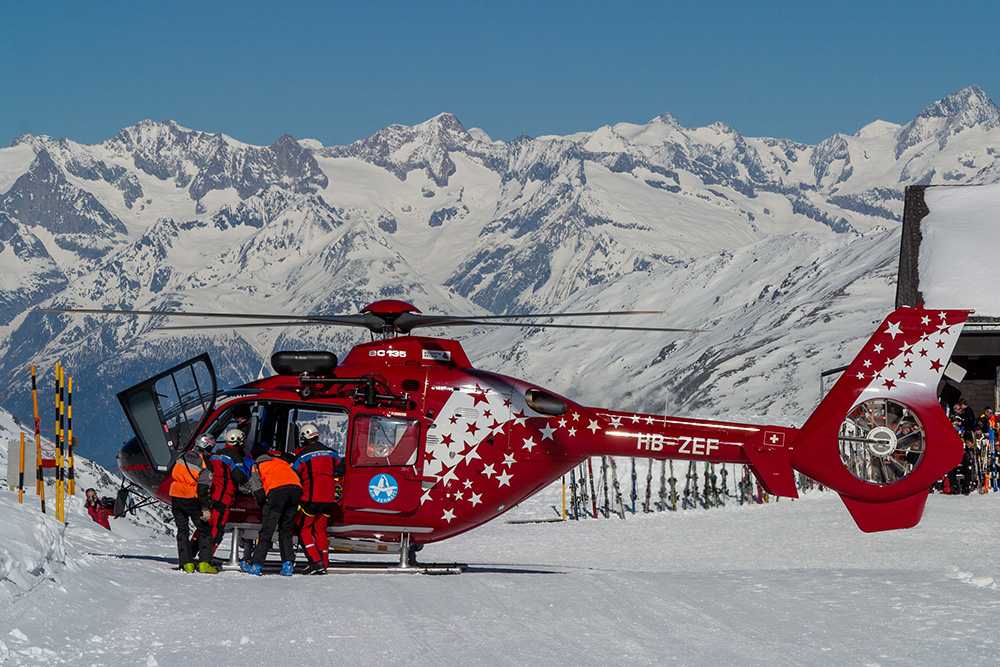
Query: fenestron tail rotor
x=386 y=317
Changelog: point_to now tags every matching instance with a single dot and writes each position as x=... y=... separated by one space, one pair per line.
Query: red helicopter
x=435 y=447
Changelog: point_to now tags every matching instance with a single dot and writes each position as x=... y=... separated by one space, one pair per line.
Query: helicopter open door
x=167 y=410
x=382 y=459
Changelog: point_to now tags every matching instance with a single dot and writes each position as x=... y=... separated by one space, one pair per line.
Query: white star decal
x=925 y=320
x=467 y=483
x=475 y=499
x=867 y=364
x=572 y=432
x=861 y=376
x=562 y=423
x=575 y=416
x=508 y=460
x=547 y=432
x=878 y=348
x=426 y=496
x=649 y=420
x=594 y=428
x=504 y=478
x=449 y=475
x=448 y=515
x=635 y=419
x=473 y=454
x=616 y=422
x=893 y=330
x=489 y=471
x=529 y=443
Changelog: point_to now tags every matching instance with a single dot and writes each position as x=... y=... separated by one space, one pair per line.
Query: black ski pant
x=185 y=509
x=279 y=512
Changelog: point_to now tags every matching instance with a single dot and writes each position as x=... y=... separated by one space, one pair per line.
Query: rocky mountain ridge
x=160 y=216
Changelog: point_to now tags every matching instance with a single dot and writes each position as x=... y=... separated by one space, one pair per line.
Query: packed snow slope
x=787 y=583
x=164 y=217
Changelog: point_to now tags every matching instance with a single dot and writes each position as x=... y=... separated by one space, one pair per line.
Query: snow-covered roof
x=949 y=255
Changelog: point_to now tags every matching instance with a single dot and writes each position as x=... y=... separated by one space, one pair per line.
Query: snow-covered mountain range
x=786 y=251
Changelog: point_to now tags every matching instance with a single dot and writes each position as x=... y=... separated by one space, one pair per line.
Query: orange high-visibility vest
x=275 y=472
x=184 y=476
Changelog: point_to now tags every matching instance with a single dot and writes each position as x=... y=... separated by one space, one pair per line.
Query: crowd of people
x=295 y=491
x=978 y=470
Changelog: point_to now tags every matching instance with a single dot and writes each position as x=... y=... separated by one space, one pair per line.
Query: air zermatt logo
x=382 y=488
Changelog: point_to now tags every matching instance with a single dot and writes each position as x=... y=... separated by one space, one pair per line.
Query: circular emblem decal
x=383 y=488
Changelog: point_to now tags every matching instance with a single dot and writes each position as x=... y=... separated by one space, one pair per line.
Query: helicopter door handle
x=418 y=478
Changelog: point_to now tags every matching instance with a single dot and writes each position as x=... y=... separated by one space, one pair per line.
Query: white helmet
x=308 y=433
x=204 y=443
x=234 y=437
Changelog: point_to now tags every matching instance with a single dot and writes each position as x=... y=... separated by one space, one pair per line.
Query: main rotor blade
x=349 y=320
x=287 y=323
x=535 y=325
x=468 y=323
x=537 y=315
x=404 y=322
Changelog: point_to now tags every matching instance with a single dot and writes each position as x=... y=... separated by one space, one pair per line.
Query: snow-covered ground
x=788 y=583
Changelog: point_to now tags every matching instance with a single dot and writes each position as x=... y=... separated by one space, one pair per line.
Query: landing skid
x=406 y=563
x=364 y=567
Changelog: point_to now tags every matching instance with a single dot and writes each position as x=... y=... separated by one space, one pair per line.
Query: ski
x=649 y=486
x=617 y=488
x=593 y=491
x=673 y=487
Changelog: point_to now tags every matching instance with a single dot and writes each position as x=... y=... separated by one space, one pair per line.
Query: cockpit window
x=384 y=441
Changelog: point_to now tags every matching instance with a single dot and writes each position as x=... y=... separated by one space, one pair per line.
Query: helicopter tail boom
x=880 y=438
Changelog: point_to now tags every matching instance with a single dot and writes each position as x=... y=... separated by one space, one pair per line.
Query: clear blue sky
x=339 y=72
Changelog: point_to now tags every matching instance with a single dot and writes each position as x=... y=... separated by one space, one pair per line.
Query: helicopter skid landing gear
x=407 y=563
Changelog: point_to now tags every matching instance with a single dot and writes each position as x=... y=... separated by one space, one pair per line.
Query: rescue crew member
x=190 y=499
x=230 y=462
x=277 y=490
x=318 y=468
x=96 y=509
x=227 y=474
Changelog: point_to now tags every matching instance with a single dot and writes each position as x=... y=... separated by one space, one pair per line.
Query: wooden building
x=950 y=258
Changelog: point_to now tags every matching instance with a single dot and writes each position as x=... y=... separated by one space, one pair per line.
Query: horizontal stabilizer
x=873 y=517
x=772 y=467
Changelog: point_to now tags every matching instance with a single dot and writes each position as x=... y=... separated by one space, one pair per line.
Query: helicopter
x=435 y=447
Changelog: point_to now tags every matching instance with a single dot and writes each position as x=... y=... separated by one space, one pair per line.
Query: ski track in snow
x=789 y=583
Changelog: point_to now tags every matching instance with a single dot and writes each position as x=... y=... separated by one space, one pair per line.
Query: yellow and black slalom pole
x=39 y=478
x=59 y=445
x=69 y=434
x=20 y=473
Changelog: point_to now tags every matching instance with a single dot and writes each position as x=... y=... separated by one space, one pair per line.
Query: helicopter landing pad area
x=788 y=583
